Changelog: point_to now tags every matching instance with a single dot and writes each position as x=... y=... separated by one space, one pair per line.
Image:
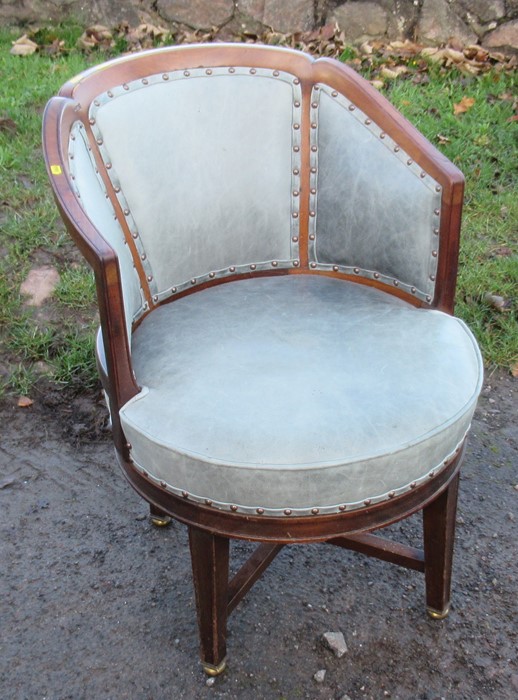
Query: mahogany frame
x=210 y=529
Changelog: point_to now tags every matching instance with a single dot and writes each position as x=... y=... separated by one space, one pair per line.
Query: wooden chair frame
x=209 y=528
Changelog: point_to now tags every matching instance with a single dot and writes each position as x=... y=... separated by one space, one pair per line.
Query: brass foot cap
x=437 y=614
x=212 y=670
x=160 y=520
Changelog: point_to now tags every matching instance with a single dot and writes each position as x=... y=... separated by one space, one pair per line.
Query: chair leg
x=157 y=517
x=210 y=561
x=439 y=535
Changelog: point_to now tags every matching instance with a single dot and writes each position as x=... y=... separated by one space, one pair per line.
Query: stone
x=336 y=643
x=360 y=21
x=485 y=10
x=199 y=14
x=319 y=676
x=281 y=16
x=504 y=38
x=39 y=284
x=440 y=24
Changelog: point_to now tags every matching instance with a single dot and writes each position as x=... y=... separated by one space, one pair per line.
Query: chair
x=275 y=252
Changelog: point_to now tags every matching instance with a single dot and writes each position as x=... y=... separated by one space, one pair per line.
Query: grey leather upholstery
x=298 y=392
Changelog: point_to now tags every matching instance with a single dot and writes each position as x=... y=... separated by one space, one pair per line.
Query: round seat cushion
x=298 y=392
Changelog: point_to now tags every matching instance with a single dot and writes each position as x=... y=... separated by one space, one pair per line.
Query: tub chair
x=275 y=252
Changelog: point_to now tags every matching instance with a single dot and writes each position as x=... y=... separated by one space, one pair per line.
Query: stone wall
x=492 y=23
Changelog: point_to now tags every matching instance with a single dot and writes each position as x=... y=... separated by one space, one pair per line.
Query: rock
x=199 y=14
x=484 y=10
x=505 y=37
x=296 y=15
x=360 y=21
x=319 y=676
x=210 y=682
x=39 y=284
x=439 y=24
x=336 y=643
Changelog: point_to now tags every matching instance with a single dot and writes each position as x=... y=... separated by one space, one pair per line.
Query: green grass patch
x=481 y=141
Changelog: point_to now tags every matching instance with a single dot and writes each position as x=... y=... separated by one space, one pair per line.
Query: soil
x=97 y=603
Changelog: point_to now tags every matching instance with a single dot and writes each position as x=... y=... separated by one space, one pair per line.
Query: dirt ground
x=96 y=603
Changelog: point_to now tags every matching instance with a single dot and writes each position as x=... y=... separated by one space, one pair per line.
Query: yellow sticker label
x=56 y=169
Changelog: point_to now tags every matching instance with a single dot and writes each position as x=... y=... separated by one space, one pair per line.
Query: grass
x=57 y=341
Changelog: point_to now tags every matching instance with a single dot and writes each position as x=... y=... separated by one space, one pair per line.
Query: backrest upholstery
x=205 y=163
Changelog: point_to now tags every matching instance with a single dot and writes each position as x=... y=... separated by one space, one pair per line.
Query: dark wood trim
x=250 y=572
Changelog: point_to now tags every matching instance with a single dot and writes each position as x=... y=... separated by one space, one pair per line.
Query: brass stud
x=174 y=290
x=396 y=149
x=208 y=502
x=313 y=190
x=126 y=212
x=413 y=485
x=311 y=236
x=143 y=256
x=145 y=81
x=295 y=215
x=165 y=76
x=109 y=93
x=212 y=275
x=253 y=71
x=437 y=212
x=313 y=125
x=96 y=103
x=149 y=278
x=436 y=231
x=434 y=253
x=295 y=239
x=334 y=93
x=352 y=108
x=274 y=263
x=409 y=161
x=342 y=508
x=428 y=298
x=296 y=193
x=335 y=268
x=163 y=484
x=413 y=290
x=368 y=121
x=313 y=170
x=108 y=166
x=233 y=508
x=253 y=266
x=276 y=73
x=208 y=71
x=296 y=149
x=117 y=189
x=356 y=270
x=312 y=214
x=296 y=126
x=376 y=275
x=431 y=474
x=438 y=188
x=287 y=511
x=185 y=494
x=232 y=268
x=396 y=283
x=231 y=70
x=259 y=511
x=382 y=135
x=313 y=265
x=368 y=501
x=432 y=277
x=316 y=87
x=128 y=445
x=134 y=233
x=296 y=171
x=296 y=263
x=296 y=104
x=99 y=141
x=314 y=105
x=391 y=494
x=193 y=281
x=314 y=149
x=125 y=86
x=186 y=73
x=155 y=298
x=315 y=511
x=91 y=121
x=296 y=81
x=422 y=174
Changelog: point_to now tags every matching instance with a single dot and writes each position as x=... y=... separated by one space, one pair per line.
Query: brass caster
x=438 y=615
x=211 y=670
x=160 y=520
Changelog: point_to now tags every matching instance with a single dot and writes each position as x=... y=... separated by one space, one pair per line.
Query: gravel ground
x=96 y=603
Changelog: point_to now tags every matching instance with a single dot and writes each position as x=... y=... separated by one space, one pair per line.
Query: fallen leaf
x=514 y=369
x=514 y=118
x=7 y=125
x=24 y=46
x=25 y=402
x=463 y=106
x=442 y=139
x=501 y=251
x=498 y=302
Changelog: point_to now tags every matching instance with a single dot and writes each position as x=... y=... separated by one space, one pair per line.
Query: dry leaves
x=463 y=106
x=24 y=46
x=514 y=369
x=7 y=125
x=95 y=37
x=498 y=302
x=25 y=402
